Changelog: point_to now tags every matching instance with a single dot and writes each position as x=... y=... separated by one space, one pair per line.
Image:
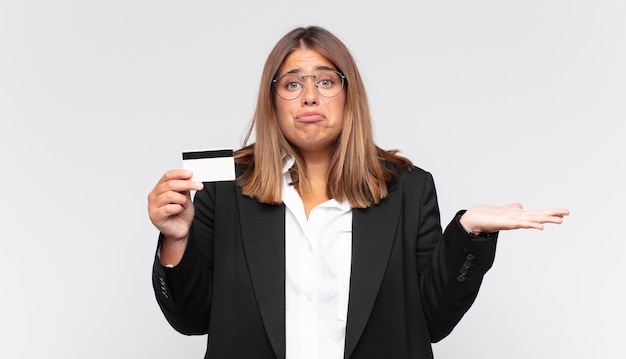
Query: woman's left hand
x=489 y=219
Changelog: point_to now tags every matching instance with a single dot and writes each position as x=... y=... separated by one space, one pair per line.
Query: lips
x=310 y=117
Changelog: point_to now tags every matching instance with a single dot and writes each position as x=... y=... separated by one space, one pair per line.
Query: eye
x=327 y=79
x=325 y=83
x=292 y=85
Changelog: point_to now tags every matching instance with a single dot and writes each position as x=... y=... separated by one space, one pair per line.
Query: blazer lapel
x=263 y=234
x=373 y=233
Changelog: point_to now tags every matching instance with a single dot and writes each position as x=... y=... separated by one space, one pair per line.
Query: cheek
x=339 y=110
x=282 y=114
x=282 y=126
x=282 y=107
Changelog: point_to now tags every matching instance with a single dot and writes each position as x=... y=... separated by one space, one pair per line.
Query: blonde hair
x=358 y=171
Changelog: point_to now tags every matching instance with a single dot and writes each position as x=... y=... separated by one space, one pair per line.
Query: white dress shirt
x=318 y=254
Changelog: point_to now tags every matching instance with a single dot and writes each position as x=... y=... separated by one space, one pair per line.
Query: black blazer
x=409 y=285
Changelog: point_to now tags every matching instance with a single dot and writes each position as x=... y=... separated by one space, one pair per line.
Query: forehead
x=305 y=61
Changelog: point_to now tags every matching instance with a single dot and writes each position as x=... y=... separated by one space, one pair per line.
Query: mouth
x=310 y=117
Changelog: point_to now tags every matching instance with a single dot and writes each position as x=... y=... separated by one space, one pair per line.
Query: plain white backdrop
x=502 y=101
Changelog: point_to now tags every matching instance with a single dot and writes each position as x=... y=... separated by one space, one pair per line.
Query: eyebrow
x=318 y=68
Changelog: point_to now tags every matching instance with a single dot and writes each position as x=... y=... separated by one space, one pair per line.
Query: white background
x=501 y=100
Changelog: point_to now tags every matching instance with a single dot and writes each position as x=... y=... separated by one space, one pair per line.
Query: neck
x=317 y=165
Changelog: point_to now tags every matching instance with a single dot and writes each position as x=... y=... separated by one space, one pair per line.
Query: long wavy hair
x=359 y=170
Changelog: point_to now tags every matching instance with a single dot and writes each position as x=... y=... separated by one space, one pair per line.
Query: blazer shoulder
x=416 y=176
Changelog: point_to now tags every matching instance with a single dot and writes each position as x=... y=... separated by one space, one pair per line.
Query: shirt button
x=309 y=297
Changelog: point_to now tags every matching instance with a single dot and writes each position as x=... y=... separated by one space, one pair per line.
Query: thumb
x=514 y=205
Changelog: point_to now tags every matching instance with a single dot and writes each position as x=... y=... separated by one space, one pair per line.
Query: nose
x=309 y=92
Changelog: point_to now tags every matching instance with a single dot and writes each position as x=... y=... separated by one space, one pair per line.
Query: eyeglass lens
x=327 y=84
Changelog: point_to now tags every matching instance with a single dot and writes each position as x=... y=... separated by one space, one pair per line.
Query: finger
x=176 y=174
x=170 y=197
x=561 y=212
x=532 y=225
x=553 y=213
x=160 y=215
x=541 y=219
x=165 y=210
x=171 y=209
x=160 y=191
x=553 y=219
x=165 y=206
x=179 y=185
x=528 y=222
x=179 y=174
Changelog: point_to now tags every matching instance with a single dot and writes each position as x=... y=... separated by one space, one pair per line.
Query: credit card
x=210 y=165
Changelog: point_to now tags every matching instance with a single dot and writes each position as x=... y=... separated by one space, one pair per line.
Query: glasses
x=327 y=83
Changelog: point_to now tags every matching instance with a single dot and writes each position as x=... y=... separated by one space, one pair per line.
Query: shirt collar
x=289 y=161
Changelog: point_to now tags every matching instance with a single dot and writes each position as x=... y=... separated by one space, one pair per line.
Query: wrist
x=466 y=224
x=171 y=251
x=471 y=229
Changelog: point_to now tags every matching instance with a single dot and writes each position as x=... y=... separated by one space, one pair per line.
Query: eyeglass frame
x=342 y=76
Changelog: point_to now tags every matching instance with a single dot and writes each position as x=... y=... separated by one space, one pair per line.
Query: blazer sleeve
x=184 y=291
x=452 y=265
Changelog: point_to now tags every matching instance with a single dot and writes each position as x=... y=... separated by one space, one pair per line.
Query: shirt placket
x=310 y=289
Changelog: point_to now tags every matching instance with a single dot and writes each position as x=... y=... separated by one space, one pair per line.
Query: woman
x=325 y=246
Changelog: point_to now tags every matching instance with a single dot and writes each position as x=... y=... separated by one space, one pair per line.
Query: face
x=311 y=122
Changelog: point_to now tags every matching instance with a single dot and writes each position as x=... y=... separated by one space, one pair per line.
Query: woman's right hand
x=170 y=206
